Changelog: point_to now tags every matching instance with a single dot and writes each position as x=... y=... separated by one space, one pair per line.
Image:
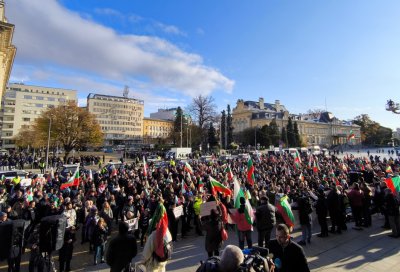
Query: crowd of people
x=348 y=188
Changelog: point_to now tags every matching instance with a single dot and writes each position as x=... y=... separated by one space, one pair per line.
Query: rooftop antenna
x=126 y=91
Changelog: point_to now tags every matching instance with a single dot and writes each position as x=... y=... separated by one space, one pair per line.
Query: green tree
x=264 y=135
x=372 y=133
x=178 y=125
x=72 y=127
x=274 y=133
x=212 y=138
x=284 y=137
x=296 y=134
x=290 y=133
x=229 y=126
x=223 y=129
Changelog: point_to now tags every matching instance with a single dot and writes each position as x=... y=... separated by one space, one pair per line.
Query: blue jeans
x=245 y=235
x=99 y=252
x=306 y=232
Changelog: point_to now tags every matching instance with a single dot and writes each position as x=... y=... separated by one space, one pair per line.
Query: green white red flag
x=237 y=194
x=229 y=173
x=72 y=181
x=284 y=209
x=188 y=168
x=297 y=162
x=159 y=223
x=144 y=167
x=250 y=172
x=219 y=187
x=393 y=184
x=351 y=135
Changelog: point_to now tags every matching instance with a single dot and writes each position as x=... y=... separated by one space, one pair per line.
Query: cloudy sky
x=337 y=55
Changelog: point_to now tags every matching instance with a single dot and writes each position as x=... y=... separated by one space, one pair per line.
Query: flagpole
x=48 y=146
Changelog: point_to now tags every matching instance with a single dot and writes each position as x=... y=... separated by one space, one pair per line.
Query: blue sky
x=342 y=55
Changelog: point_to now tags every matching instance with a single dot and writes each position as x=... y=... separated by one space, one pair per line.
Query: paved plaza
x=368 y=250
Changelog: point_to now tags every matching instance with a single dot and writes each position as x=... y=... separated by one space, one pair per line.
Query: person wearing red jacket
x=356 y=197
x=244 y=228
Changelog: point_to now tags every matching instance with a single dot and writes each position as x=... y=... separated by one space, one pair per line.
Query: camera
x=256 y=259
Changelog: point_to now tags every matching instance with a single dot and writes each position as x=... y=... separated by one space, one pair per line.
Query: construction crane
x=392 y=106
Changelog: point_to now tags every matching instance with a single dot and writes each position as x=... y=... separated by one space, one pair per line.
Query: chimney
x=277 y=105
x=261 y=103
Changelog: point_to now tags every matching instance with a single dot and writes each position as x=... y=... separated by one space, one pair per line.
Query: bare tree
x=203 y=109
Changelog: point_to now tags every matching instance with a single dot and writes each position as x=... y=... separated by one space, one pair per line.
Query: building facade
x=22 y=104
x=7 y=50
x=120 y=118
x=156 y=129
x=321 y=129
x=164 y=114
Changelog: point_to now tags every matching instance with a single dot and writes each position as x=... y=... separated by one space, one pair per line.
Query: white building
x=164 y=114
x=22 y=104
x=120 y=118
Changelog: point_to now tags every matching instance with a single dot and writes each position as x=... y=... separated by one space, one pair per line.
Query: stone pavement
x=367 y=250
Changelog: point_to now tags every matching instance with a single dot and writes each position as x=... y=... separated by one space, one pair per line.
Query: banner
x=178 y=211
x=133 y=224
x=205 y=208
x=26 y=182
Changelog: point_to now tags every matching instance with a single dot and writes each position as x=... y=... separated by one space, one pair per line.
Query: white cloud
x=55 y=36
x=170 y=29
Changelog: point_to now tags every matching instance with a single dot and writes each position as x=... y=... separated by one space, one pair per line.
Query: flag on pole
x=184 y=187
x=393 y=184
x=73 y=180
x=200 y=185
x=316 y=167
x=144 y=167
x=188 y=168
x=159 y=223
x=229 y=173
x=250 y=172
x=297 y=161
x=285 y=210
x=218 y=187
x=301 y=178
x=237 y=194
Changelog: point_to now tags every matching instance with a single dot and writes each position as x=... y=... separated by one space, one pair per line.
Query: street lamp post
x=48 y=146
x=181 y=128
x=255 y=137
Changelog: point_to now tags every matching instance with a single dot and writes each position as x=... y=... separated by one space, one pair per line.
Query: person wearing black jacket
x=122 y=249
x=65 y=253
x=392 y=210
x=99 y=240
x=322 y=212
x=288 y=256
x=265 y=220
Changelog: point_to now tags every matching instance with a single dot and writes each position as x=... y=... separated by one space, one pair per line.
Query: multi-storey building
x=120 y=118
x=22 y=104
x=164 y=114
x=321 y=129
x=156 y=129
x=7 y=50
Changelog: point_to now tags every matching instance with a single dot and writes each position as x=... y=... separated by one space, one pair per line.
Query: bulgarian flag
x=315 y=167
x=301 y=178
x=250 y=172
x=200 y=185
x=285 y=210
x=159 y=223
x=144 y=167
x=237 y=194
x=188 y=168
x=393 y=184
x=297 y=162
x=73 y=180
x=218 y=187
x=229 y=172
x=351 y=135
x=310 y=162
x=389 y=169
x=184 y=188
x=29 y=195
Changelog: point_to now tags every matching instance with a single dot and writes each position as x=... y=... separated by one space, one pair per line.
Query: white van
x=315 y=150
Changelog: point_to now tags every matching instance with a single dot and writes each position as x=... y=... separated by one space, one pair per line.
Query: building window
x=26 y=119
x=39 y=97
x=27 y=96
x=51 y=99
x=39 y=105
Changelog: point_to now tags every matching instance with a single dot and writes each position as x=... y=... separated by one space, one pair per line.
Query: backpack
x=167 y=253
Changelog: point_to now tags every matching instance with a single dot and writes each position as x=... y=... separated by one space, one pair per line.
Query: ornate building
x=318 y=129
x=7 y=50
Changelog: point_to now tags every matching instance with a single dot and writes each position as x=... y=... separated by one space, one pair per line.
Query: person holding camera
x=288 y=256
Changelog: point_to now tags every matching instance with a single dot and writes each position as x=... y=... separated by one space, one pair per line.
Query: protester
x=213 y=228
x=245 y=229
x=288 y=255
x=265 y=221
x=99 y=240
x=121 y=249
